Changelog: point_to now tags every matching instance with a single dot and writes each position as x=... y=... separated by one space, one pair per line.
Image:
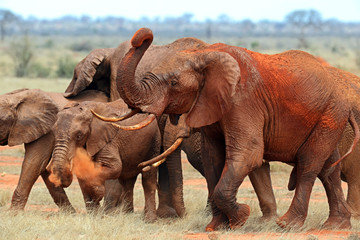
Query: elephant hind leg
x=310 y=160
x=339 y=213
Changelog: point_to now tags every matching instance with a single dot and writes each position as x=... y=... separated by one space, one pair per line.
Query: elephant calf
x=115 y=153
x=26 y=117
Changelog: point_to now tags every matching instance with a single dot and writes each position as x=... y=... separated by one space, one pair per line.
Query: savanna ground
x=41 y=219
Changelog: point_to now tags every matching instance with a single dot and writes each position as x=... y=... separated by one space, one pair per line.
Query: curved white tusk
x=149 y=119
x=161 y=158
x=114 y=119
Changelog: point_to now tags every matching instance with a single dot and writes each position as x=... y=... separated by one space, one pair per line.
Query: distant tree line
x=299 y=23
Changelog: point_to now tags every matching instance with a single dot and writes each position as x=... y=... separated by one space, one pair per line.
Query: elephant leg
x=353 y=195
x=92 y=193
x=310 y=160
x=261 y=181
x=165 y=208
x=128 y=195
x=339 y=213
x=234 y=172
x=213 y=157
x=149 y=185
x=113 y=194
x=37 y=155
x=58 y=194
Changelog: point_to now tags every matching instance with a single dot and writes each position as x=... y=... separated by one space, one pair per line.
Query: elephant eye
x=173 y=82
x=79 y=136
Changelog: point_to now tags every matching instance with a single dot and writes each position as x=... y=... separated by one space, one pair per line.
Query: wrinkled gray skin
x=99 y=70
x=115 y=152
x=26 y=118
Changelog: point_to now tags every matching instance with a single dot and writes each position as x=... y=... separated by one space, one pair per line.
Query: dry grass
x=37 y=222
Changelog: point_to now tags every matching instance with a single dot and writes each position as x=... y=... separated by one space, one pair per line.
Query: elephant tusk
x=149 y=119
x=154 y=165
x=48 y=165
x=113 y=119
x=161 y=158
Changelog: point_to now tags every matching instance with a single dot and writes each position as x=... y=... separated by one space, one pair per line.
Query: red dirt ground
x=9 y=181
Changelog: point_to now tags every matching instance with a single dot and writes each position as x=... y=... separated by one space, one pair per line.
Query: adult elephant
x=115 y=153
x=249 y=107
x=99 y=70
x=27 y=117
x=349 y=166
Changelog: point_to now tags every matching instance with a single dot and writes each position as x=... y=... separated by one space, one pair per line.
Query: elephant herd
x=231 y=110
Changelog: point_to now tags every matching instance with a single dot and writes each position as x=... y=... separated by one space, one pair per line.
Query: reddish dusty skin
x=250 y=106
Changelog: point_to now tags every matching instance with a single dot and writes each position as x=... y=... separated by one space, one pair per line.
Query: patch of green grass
x=9 y=84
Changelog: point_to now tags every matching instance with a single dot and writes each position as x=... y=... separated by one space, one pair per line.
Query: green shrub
x=81 y=46
x=22 y=53
x=66 y=67
x=38 y=70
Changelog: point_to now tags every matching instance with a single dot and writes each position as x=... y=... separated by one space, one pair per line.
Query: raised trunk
x=60 y=166
x=130 y=90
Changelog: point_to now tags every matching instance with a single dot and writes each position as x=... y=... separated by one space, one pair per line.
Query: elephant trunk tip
x=140 y=36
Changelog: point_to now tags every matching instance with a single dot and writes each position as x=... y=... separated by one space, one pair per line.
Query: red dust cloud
x=83 y=166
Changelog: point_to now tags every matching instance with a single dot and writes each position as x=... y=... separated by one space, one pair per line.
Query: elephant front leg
x=261 y=181
x=241 y=158
x=92 y=193
x=58 y=194
x=213 y=158
x=165 y=208
x=149 y=185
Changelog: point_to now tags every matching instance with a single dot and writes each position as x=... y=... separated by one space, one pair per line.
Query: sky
x=255 y=10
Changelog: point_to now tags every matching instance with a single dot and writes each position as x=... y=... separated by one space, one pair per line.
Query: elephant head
x=77 y=128
x=26 y=115
x=200 y=82
x=93 y=72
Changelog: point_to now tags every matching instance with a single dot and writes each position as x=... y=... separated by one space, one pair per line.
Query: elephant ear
x=84 y=73
x=101 y=132
x=221 y=75
x=35 y=114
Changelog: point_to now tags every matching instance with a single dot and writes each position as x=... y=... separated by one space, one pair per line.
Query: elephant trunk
x=59 y=166
x=138 y=93
x=130 y=90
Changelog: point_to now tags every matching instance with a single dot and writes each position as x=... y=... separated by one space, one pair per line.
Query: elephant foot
x=239 y=216
x=337 y=222
x=218 y=222
x=150 y=217
x=289 y=221
x=165 y=211
x=268 y=217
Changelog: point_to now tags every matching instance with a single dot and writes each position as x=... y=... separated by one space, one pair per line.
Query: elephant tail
x=355 y=128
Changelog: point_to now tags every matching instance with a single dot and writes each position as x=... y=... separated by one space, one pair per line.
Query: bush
x=81 y=46
x=22 y=53
x=38 y=70
x=66 y=67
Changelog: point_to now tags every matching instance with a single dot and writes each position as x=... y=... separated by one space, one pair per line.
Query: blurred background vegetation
x=38 y=48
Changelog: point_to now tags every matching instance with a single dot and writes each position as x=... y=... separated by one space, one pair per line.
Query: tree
x=304 y=20
x=22 y=53
x=6 y=17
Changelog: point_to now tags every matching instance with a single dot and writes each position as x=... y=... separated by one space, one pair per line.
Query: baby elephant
x=113 y=153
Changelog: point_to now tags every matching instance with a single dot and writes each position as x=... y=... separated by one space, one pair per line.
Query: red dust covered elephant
x=249 y=107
